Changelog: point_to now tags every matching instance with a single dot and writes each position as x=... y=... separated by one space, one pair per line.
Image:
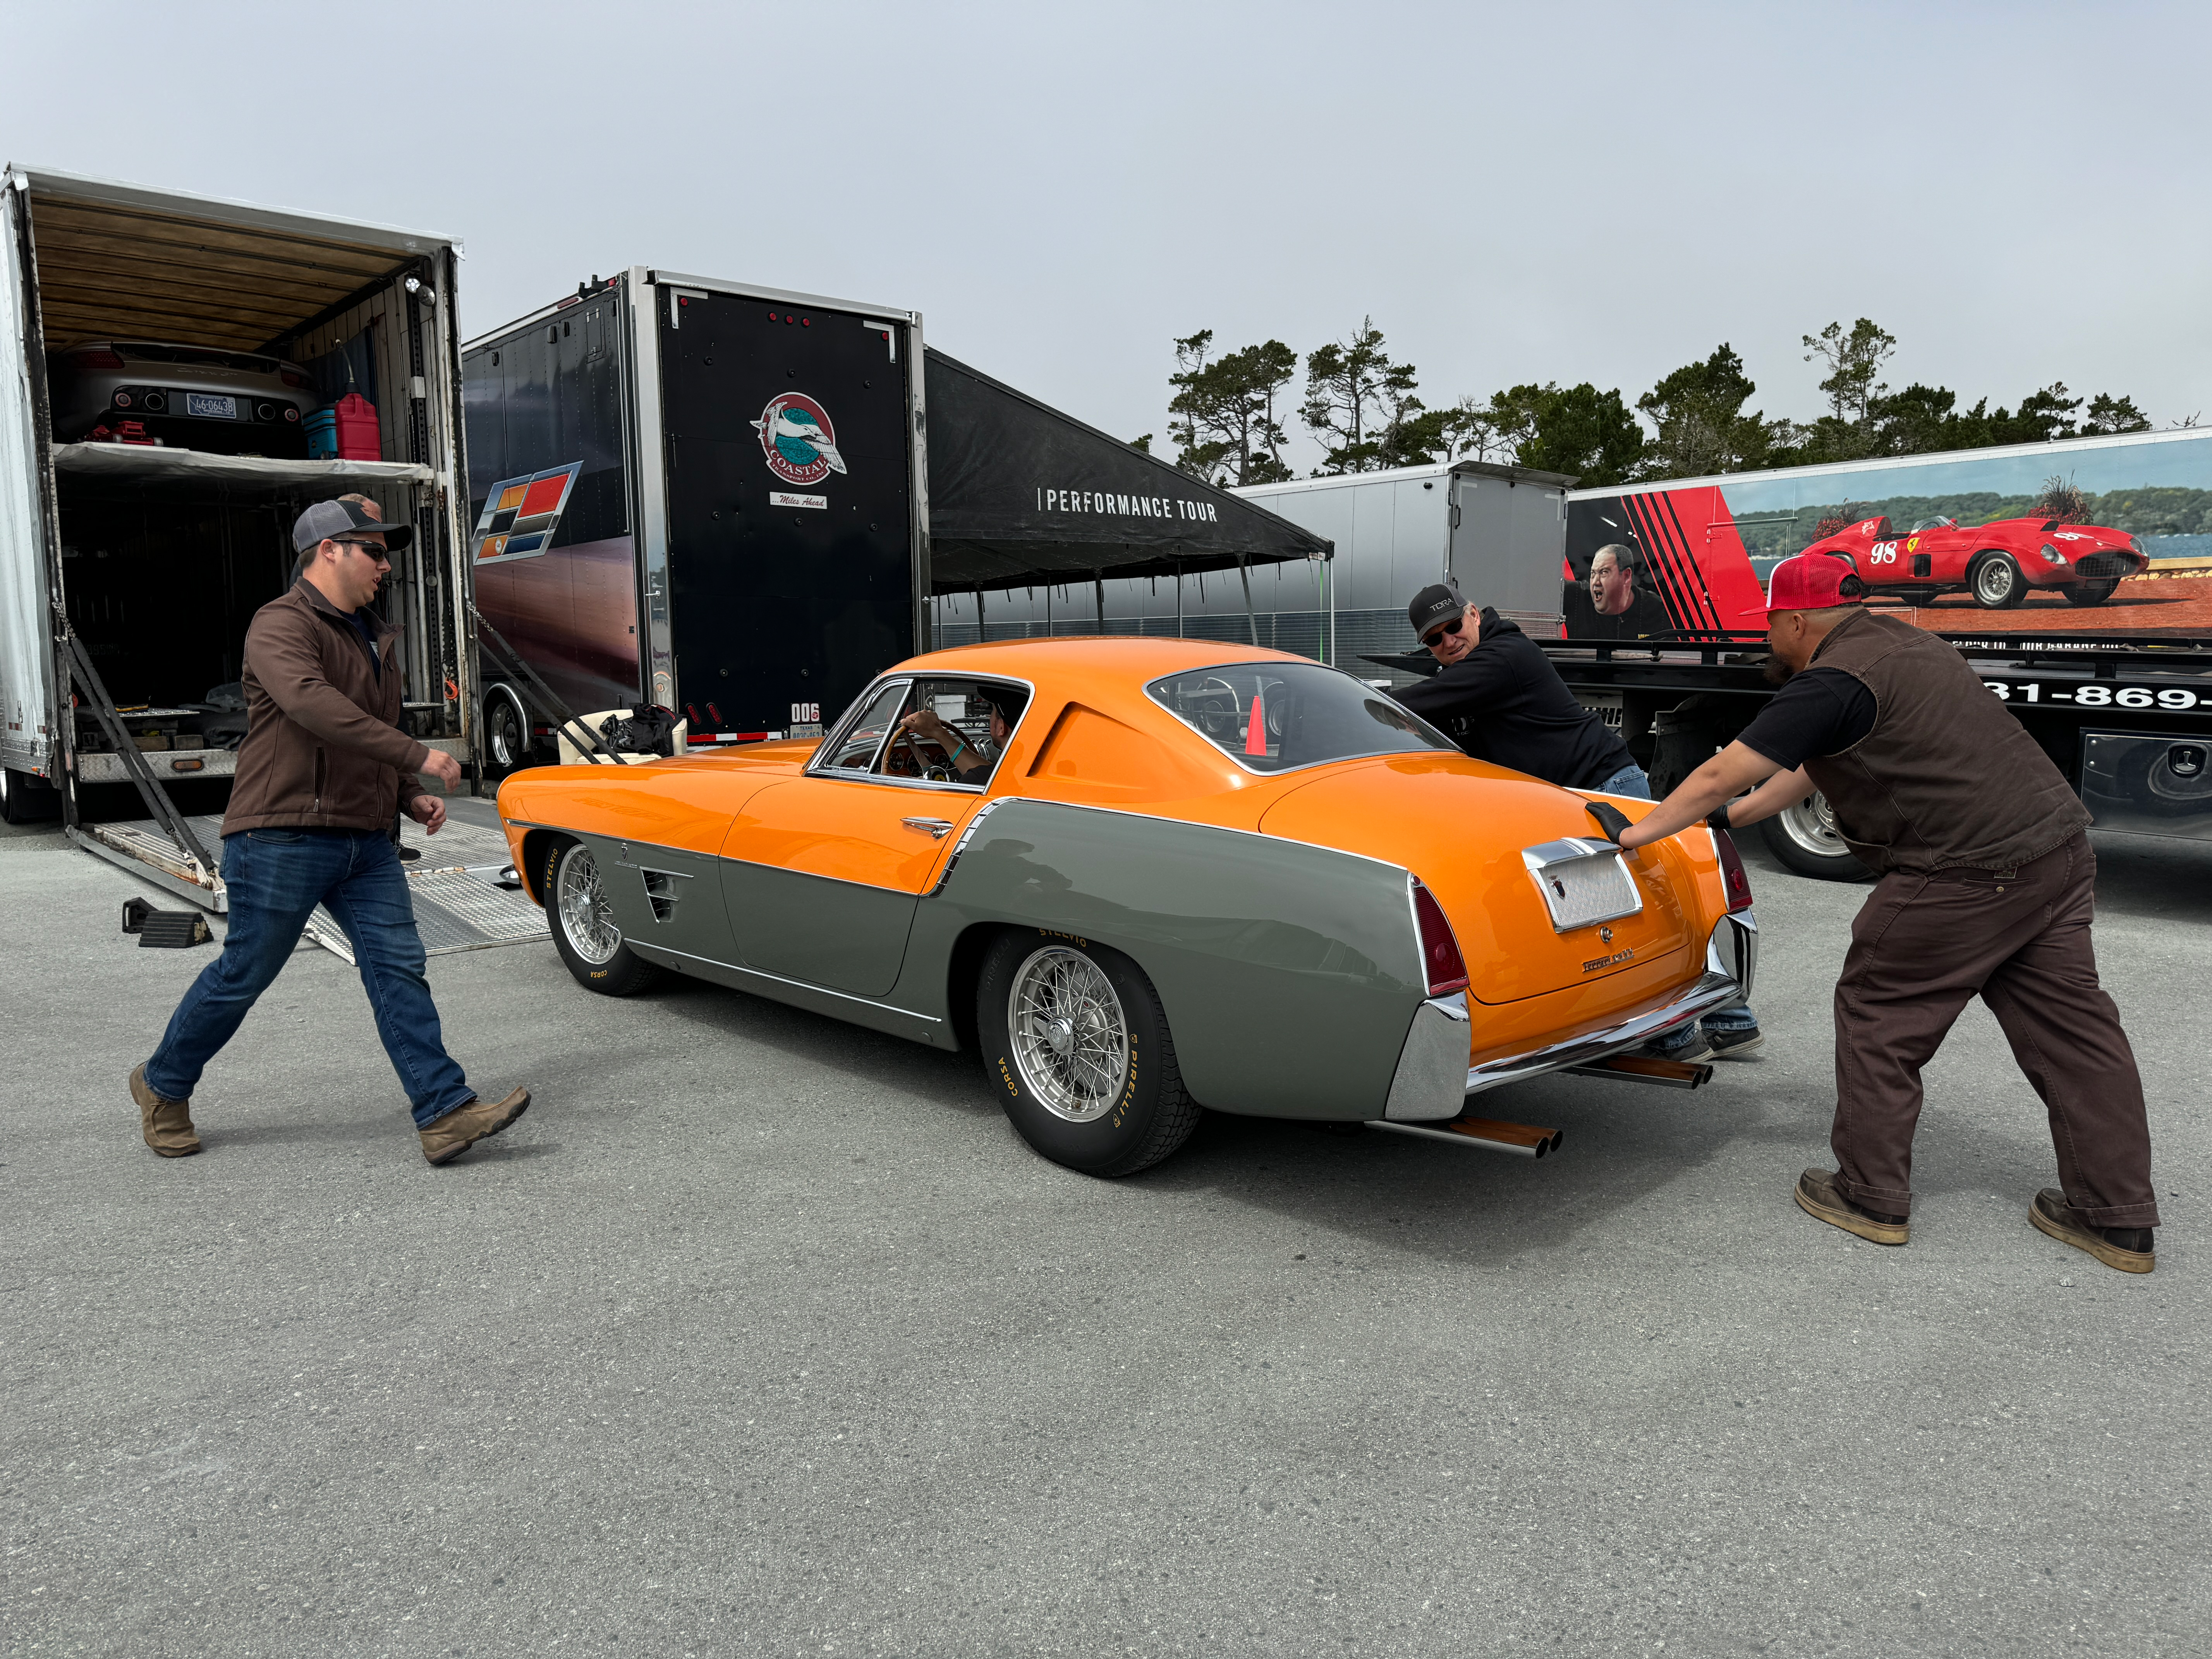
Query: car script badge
x=798 y=440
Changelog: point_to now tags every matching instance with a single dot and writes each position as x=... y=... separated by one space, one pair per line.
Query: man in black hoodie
x=1500 y=699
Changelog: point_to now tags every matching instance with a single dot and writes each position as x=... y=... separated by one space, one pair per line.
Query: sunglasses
x=1452 y=627
x=375 y=550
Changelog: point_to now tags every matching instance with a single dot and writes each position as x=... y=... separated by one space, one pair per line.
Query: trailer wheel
x=590 y=945
x=1804 y=838
x=24 y=796
x=2087 y=593
x=1076 y=1048
x=1997 y=582
x=507 y=731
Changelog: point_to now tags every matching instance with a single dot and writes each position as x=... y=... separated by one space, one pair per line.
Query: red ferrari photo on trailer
x=1997 y=562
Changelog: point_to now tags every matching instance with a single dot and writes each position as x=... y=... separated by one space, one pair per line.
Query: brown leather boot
x=1819 y=1196
x=166 y=1124
x=469 y=1122
x=2128 y=1249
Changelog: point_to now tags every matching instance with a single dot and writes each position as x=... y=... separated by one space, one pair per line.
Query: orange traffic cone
x=1255 y=733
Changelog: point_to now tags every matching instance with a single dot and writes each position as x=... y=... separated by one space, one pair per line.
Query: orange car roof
x=1122 y=659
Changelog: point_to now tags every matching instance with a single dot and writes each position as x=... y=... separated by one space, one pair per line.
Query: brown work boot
x=1819 y=1196
x=166 y=1124
x=2128 y=1249
x=469 y=1122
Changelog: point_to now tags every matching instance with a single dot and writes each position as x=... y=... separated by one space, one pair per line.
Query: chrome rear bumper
x=1427 y=1084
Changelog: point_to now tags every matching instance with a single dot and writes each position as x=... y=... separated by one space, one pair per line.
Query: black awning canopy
x=1023 y=495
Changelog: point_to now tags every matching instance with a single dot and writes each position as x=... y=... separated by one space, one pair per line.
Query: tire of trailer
x=1803 y=837
x=1997 y=581
x=1123 y=1110
x=12 y=807
x=506 y=731
x=2086 y=593
x=589 y=943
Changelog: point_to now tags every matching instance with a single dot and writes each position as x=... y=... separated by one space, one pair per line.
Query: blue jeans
x=277 y=877
x=1631 y=781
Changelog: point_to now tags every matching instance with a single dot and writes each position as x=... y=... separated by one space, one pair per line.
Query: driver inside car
x=970 y=759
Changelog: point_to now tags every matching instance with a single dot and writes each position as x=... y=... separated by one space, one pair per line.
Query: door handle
x=935 y=828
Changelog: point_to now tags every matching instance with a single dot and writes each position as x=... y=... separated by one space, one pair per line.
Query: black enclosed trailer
x=738 y=503
x=130 y=569
x=703 y=494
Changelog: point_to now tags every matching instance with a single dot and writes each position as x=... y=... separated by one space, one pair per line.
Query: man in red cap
x=1987 y=885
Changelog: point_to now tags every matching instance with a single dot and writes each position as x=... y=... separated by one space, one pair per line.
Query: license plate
x=1583 y=882
x=209 y=406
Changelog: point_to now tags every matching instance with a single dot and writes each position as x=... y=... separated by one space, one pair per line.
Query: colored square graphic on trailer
x=520 y=515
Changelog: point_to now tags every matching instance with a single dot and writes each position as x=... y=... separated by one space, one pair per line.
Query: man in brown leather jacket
x=323 y=770
x=1987 y=887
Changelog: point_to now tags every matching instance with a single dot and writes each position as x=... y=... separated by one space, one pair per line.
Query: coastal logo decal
x=798 y=440
x=520 y=515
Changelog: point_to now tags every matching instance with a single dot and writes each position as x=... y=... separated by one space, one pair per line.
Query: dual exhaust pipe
x=1525 y=1140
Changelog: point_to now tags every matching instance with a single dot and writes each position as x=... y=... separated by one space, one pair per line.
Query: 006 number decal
x=2176 y=697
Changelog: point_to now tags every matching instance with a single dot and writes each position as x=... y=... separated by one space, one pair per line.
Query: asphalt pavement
x=761 y=1334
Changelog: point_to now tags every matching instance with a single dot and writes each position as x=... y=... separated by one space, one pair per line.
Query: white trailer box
x=134 y=553
x=1498 y=530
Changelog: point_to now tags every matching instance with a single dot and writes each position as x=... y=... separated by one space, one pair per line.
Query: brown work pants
x=1920 y=946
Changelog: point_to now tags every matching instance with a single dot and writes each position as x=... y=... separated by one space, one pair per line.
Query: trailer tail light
x=1734 y=882
x=1440 y=958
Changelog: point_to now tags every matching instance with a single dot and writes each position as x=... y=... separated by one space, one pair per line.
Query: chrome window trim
x=1447 y=746
x=909 y=677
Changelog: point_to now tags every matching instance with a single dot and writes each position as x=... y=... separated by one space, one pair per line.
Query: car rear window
x=151 y=351
x=1274 y=717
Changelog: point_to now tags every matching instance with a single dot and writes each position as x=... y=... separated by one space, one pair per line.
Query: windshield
x=1274 y=717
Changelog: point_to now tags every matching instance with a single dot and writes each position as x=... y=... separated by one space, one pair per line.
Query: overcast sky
x=2018 y=192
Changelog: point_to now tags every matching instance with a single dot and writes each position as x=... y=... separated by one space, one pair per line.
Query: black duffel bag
x=648 y=729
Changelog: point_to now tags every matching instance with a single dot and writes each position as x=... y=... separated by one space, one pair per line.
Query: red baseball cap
x=1813 y=581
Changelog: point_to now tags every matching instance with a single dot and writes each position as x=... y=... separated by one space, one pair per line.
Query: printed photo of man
x=1609 y=606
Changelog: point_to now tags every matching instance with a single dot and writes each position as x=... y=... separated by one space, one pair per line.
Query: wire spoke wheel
x=1070 y=1034
x=586 y=918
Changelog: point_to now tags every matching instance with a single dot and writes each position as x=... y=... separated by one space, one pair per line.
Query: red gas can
x=356 y=429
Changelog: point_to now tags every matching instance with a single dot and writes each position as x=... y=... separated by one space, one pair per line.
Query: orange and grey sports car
x=1137 y=877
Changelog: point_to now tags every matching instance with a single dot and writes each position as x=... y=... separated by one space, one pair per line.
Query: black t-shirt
x=1819 y=711
x=1646 y=615
x=365 y=625
x=1504 y=702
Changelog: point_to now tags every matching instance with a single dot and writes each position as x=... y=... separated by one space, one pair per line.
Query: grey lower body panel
x=837 y=1004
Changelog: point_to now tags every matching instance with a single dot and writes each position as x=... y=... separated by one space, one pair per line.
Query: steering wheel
x=914 y=766
x=1204 y=702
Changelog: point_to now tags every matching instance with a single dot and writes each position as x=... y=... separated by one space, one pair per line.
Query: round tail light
x=290 y=413
x=122 y=400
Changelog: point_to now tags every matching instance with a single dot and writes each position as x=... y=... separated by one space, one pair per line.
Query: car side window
x=859 y=740
x=951 y=731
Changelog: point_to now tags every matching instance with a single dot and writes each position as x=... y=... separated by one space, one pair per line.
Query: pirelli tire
x=1803 y=838
x=1077 y=1050
x=585 y=933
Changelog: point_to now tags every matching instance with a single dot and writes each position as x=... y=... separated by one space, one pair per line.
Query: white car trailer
x=130 y=569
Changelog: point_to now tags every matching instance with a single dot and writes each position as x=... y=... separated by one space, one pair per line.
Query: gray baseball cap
x=326 y=519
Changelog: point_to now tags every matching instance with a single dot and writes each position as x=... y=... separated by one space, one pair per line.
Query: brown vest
x=1948 y=778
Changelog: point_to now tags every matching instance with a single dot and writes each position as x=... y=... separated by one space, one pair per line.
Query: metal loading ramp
x=458 y=906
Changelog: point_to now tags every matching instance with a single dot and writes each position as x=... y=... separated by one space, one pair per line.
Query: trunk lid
x=1463 y=827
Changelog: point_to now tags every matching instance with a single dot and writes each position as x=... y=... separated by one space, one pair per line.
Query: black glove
x=1718 y=818
x=1610 y=819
